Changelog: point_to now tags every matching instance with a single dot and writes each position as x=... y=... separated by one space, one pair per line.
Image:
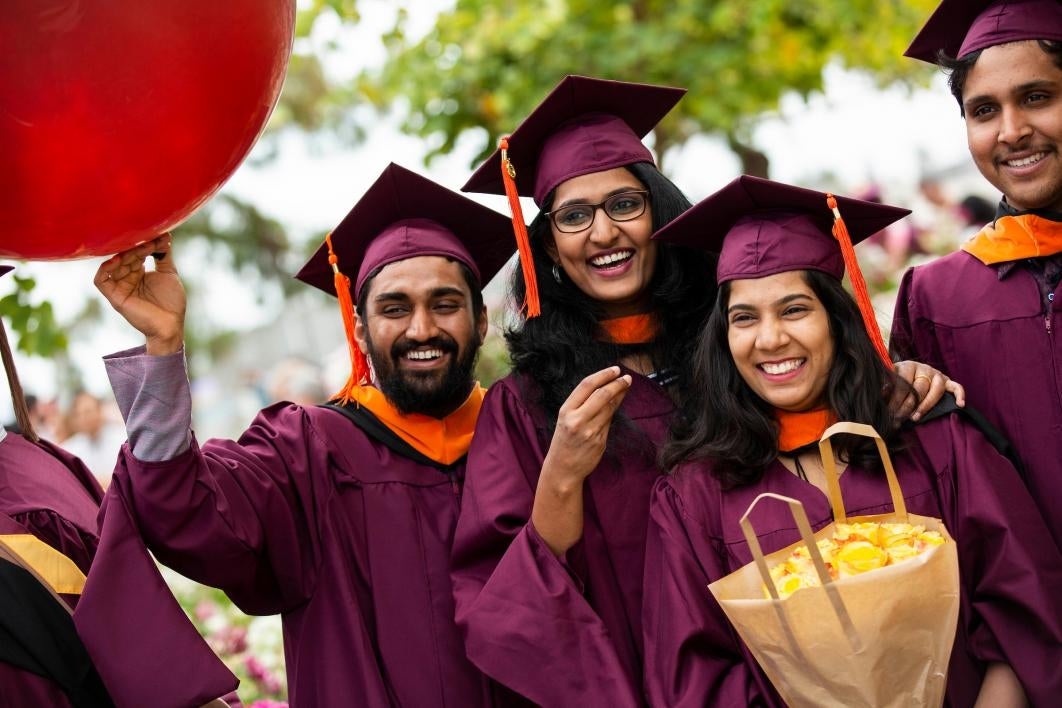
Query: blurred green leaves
x=38 y=331
x=486 y=63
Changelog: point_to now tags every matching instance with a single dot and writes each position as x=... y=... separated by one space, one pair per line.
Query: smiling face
x=779 y=337
x=420 y=333
x=1012 y=98
x=612 y=261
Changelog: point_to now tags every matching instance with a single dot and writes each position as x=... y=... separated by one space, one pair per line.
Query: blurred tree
x=38 y=331
x=485 y=64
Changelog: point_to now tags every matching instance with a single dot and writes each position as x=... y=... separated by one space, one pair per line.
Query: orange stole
x=795 y=430
x=1013 y=238
x=444 y=440
x=632 y=329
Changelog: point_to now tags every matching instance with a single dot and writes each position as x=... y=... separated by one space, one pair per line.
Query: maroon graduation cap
x=584 y=125
x=404 y=215
x=760 y=228
x=961 y=27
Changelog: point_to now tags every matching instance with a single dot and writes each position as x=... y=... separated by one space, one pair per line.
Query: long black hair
x=959 y=69
x=565 y=343
x=723 y=420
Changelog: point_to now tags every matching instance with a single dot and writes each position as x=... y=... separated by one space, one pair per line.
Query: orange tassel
x=532 y=308
x=359 y=371
x=859 y=285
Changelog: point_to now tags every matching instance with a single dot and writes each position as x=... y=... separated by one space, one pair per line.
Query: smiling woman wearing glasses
x=548 y=553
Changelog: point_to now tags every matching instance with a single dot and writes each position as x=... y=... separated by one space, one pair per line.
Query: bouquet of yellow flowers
x=853 y=549
x=862 y=613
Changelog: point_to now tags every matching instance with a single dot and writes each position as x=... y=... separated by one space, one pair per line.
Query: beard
x=433 y=393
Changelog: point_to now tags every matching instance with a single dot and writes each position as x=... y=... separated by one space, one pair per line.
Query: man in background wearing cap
x=338 y=517
x=986 y=314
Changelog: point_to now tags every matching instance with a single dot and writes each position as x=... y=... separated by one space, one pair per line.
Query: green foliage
x=487 y=63
x=253 y=243
x=38 y=332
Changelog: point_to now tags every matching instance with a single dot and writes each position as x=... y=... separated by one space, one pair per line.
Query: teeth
x=425 y=354
x=611 y=258
x=1030 y=160
x=782 y=367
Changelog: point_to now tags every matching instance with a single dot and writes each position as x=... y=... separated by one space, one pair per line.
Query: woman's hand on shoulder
x=928 y=386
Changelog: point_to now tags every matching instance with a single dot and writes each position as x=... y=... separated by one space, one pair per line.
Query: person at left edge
x=114 y=638
x=338 y=517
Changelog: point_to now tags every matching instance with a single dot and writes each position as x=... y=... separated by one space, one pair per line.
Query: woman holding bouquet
x=786 y=352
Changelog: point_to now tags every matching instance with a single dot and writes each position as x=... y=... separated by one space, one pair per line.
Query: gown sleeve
x=238 y=515
x=62 y=535
x=1011 y=569
x=911 y=337
x=521 y=609
x=693 y=657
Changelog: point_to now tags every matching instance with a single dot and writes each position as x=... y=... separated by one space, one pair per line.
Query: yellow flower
x=859 y=557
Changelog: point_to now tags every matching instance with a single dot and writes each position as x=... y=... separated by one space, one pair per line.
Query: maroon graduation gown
x=561 y=631
x=1010 y=572
x=57 y=504
x=308 y=517
x=993 y=337
x=143 y=646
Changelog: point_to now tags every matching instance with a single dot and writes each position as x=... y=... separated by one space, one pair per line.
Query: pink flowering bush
x=252 y=647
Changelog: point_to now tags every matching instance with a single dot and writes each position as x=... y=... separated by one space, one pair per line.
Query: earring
x=556 y=273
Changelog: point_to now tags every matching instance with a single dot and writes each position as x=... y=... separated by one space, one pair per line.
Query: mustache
x=404 y=346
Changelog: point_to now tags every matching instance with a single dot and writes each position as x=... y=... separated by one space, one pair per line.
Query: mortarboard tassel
x=859 y=285
x=532 y=307
x=359 y=371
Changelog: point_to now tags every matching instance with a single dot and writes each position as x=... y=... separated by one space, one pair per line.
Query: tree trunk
x=753 y=162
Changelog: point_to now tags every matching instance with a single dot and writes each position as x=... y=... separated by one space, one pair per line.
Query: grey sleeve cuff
x=155 y=400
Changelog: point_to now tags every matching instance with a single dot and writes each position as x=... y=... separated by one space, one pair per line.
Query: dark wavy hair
x=564 y=344
x=724 y=421
x=958 y=70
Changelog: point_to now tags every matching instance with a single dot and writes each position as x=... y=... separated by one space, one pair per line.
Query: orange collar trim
x=1014 y=238
x=632 y=329
x=444 y=440
x=795 y=430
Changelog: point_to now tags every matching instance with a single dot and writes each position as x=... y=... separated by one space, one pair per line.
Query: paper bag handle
x=829 y=467
x=804 y=527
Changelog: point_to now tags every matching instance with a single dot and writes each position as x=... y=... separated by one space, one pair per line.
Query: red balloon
x=119 y=118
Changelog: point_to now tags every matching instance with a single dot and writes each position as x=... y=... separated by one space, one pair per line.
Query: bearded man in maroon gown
x=338 y=517
x=985 y=314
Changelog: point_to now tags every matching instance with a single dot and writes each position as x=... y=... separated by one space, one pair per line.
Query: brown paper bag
x=882 y=638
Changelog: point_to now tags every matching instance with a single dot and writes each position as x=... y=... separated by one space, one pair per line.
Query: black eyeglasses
x=624 y=206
